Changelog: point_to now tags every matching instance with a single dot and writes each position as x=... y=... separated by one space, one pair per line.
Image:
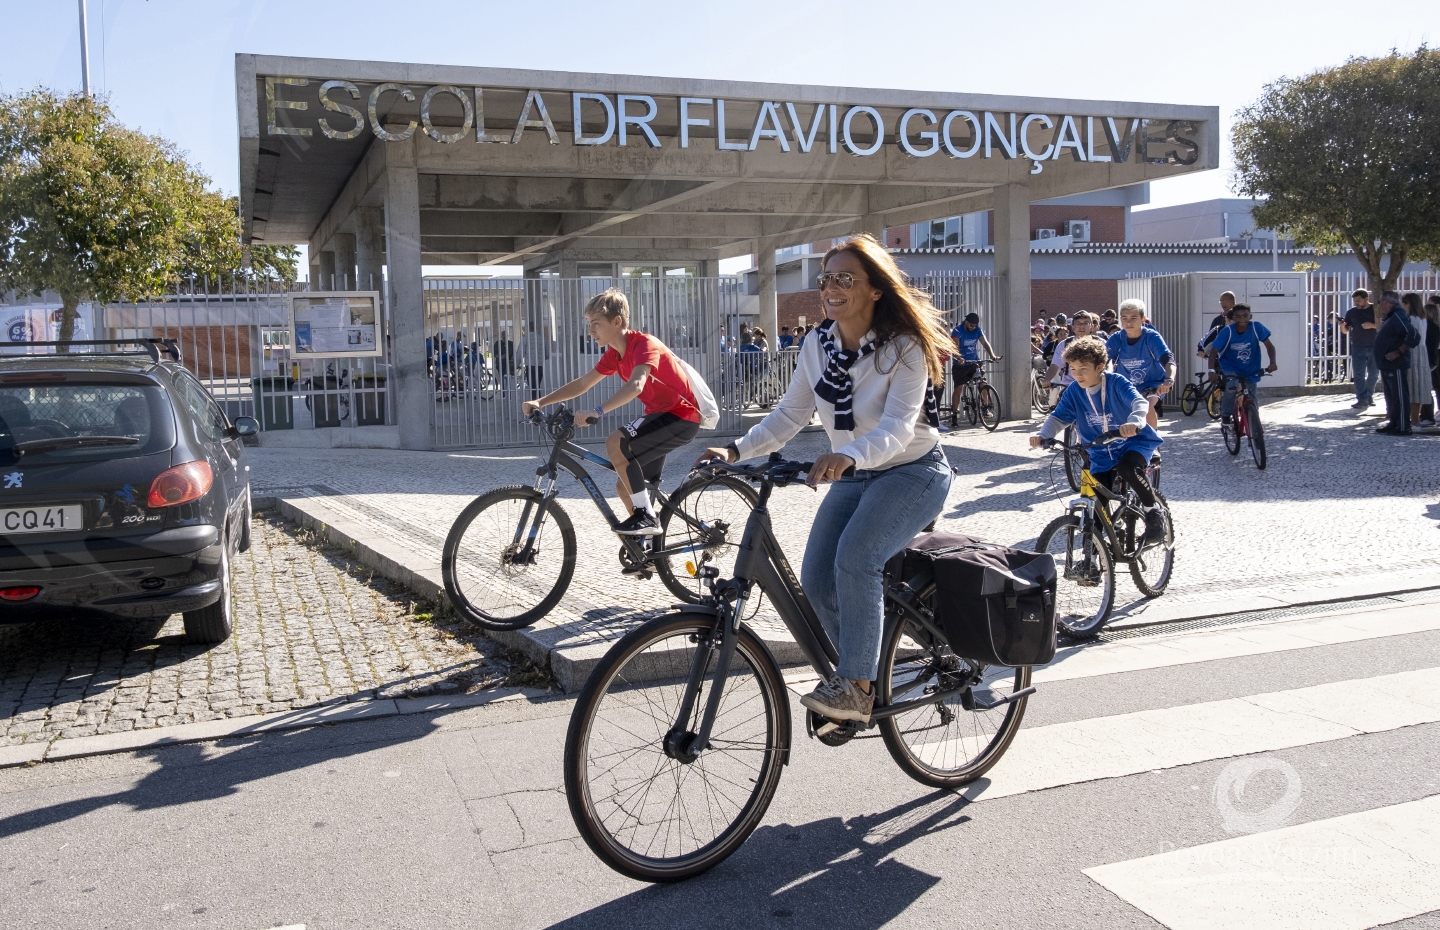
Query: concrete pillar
x=413 y=394
x=327 y=270
x=344 y=261
x=315 y=273
x=370 y=249
x=1010 y=332
x=769 y=318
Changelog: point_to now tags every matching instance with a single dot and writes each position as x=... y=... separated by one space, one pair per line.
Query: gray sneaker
x=838 y=699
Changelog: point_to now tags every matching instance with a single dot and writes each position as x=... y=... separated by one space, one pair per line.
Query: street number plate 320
x=41 y=519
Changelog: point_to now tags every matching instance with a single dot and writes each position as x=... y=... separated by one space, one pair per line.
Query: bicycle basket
x=995 y=604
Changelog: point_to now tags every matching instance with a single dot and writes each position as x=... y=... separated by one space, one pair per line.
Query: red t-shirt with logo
x=667 y=390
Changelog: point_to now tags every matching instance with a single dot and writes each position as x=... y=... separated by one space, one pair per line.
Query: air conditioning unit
x=1078 y=230
x=1044 y=234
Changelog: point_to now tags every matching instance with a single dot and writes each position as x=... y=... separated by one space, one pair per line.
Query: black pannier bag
x=996 y=604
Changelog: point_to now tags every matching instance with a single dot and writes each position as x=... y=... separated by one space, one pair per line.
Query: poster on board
x=336 y=324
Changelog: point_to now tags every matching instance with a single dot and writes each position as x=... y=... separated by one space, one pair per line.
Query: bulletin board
x=336 y=324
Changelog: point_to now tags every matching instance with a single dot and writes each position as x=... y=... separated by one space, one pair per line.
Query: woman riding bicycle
x=1097 y=402
x=869 y=371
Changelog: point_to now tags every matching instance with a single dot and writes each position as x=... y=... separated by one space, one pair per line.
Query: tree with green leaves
x=94 y=211
x=1350 y=156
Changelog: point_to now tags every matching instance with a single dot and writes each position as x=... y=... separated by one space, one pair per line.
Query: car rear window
x=32 y=412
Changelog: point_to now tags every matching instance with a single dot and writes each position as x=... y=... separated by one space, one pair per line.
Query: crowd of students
x=1397 y=341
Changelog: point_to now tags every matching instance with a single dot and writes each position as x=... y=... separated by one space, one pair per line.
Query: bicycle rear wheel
x=1212 y=404
x=723 y=505
x=943 y=744
x=639 y=805
x=1152 y=565
x=972 y=404
x=1040 y=396
x=1189 y=400
x=989 y=407
x=1257 y=433
x=494 y=574
x=1085 y=586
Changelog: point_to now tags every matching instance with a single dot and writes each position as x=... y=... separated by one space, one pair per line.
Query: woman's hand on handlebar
x=829 y=467
x=528 y=407
x=713 y=453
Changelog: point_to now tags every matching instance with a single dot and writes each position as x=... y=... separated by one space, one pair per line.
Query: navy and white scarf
x=836 y=386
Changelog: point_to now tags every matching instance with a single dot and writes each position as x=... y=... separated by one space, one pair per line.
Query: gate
x=492 y=343
x=1327 y=354
x=956 y=295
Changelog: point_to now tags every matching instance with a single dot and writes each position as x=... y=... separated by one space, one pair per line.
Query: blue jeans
x=1232 y=390
x=862 y=522
x=1362 y=365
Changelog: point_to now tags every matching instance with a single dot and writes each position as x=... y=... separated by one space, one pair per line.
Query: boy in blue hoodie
x=1099 y=401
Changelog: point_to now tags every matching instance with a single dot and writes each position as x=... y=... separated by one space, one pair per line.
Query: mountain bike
x=1099 y=529
x=504 y=568
x=979 y=400
x=1203 y=391
x=677 y=742
x=1246 y=423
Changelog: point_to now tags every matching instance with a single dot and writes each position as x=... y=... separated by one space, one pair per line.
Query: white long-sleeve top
x=888 y=404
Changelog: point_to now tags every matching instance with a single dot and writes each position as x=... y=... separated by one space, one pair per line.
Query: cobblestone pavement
x=311 y=627
x=1339 y=511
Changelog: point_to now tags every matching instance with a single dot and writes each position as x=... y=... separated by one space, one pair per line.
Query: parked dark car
x=124 y=491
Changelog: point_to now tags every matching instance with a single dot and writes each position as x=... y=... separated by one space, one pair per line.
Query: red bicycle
x=1246 y=422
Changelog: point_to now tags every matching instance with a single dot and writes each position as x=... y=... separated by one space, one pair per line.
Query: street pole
x=84 y=50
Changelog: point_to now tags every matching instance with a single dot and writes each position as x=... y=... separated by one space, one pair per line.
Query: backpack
x=704 y=400
x=995 y=604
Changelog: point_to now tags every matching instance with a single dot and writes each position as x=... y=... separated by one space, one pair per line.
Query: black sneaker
x=641 y=523
x=1230 y=420
x=1154 y=526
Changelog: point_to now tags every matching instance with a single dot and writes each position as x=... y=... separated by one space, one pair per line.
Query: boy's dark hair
x=784 y=329
x=1087 y=349
x=1236 y=309
x=610 y=304
x=972 y=318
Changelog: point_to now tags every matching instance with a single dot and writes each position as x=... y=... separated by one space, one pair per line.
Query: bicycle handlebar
x=1106 y=438
x=776 y=470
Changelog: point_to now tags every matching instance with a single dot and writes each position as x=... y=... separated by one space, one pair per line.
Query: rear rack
x=152 y=347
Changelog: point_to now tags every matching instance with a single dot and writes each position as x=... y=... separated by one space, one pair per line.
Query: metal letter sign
x=920 y=132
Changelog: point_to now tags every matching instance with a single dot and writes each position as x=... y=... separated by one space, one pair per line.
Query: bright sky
x=169 y=68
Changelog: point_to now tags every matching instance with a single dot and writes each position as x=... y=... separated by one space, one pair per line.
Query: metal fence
x=1327 y=354
x=235 y=338
x=493 y=343
x=956 y=295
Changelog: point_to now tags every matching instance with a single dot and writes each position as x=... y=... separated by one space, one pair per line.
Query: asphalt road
x=458 y=819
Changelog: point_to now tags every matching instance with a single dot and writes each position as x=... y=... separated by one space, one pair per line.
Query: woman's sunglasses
x=841 y=279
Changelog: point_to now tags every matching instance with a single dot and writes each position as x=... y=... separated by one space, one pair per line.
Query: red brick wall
x=1107 y=224
x=897 y=237
x=789 y=307
x=1048 y=298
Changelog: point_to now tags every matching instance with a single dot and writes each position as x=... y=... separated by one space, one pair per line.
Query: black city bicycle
x=1099 y=529
x=677 y=741
x=979 y=400
x=1203 y=391
x=504 y=568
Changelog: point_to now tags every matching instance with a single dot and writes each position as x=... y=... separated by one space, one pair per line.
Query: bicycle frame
x=761 y=563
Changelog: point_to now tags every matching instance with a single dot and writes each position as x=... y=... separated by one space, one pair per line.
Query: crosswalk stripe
x=1183 y=649
x=1128 y=744
x=1345 y=873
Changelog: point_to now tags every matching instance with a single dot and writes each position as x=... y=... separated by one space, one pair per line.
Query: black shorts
x=963 y=371
x=647 y=441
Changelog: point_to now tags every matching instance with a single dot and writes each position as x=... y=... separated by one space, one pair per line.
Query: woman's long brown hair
x=902 y=310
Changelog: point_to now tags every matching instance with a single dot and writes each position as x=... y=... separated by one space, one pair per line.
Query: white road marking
x=1345 y=873
x=1128 y=744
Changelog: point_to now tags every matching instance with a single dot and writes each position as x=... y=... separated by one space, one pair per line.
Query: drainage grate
x=1260 y=616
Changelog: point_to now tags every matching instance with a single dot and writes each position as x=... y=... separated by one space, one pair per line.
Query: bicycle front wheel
x=641 y=803
x=989 y=407
x=1231 y=433
x=1074 y=459
x=495 y=574
x=1085 y=585
x=943 y=744
x=1189 y=400
x=720 y=506
x=1257 y=433
x=1152 y=565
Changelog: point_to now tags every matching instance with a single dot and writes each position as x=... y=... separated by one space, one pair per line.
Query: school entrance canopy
x=382 y=164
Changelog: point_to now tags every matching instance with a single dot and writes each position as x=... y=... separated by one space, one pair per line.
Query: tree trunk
x=69 y=313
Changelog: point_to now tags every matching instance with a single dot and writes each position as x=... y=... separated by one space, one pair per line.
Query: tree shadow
x=798 y=876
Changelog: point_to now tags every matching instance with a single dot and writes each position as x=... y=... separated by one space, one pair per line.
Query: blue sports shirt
x=1092 y=417
x=1240 y=352
x=968 y=341
x=1144 y=361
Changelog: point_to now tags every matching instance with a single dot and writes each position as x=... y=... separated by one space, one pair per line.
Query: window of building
x=951 y=232
x=595 y=269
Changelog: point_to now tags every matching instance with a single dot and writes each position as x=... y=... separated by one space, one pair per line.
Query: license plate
x=15 y=520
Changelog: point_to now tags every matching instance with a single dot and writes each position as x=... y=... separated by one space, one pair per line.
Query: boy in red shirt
x=651 y=373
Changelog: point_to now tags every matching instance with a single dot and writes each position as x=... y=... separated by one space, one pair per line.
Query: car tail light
x=180 y=485
x=20 y=593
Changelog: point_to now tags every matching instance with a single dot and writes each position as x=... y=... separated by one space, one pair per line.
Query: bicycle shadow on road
x=828 y=873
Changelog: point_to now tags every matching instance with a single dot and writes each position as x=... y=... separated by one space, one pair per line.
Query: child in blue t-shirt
x=1099 y=401
x=1235 y=353
x=969 y=339
x=1139 y=353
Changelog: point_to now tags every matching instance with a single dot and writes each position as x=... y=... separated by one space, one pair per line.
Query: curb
x=320 y=715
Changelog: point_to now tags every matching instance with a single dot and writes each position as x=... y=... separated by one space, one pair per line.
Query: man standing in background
x=1360 y=325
